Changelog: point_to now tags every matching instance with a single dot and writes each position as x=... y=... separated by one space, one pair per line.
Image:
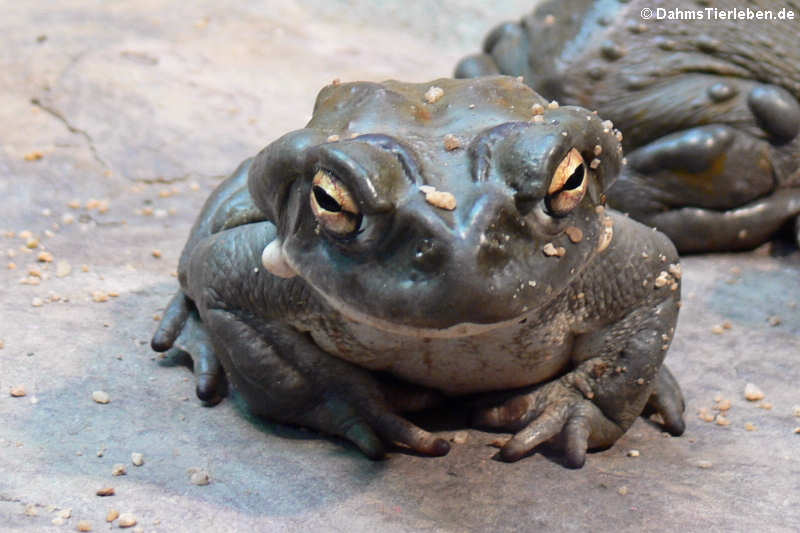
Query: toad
x=421 y=241
x=709 y=106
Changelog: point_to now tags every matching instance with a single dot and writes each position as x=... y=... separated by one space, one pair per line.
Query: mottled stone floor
x=134 y=111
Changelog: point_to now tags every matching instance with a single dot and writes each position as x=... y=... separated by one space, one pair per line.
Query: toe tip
x=440 y=447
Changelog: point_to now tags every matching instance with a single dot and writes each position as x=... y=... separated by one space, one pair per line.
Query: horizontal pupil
x=325 y=200
x=575 y=179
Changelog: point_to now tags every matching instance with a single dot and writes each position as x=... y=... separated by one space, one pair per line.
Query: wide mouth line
x=459 y=330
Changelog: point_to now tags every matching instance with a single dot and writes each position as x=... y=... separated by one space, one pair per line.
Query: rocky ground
x=117 y=119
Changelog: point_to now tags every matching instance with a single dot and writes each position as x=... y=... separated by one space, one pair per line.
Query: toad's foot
x=182 y=331
x=563 y=414
x=555 y=412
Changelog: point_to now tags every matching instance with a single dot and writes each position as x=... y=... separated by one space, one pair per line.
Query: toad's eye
x=333 y=205
x=567 y=186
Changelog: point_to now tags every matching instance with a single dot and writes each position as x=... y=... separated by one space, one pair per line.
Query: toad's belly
x=504 y=358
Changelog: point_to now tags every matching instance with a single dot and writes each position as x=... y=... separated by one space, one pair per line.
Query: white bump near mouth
x=274 y=260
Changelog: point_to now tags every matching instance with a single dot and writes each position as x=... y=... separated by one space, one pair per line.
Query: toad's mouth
x=462 y=329
x=274 y=255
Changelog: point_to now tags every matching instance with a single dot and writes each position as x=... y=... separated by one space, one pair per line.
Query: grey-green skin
x=448 y=302
x=709 y=108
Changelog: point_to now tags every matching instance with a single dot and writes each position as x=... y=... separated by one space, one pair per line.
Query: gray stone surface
x=147 y=105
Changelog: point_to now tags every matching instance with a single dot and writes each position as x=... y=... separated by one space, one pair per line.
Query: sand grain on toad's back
x=550 y=250
x=451 y=142
x=441 y=199
x=433 y=94
x=574 y=233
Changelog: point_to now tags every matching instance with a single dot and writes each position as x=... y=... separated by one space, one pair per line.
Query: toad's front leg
x=595 y=403
x=280 y=371
x=284 y=376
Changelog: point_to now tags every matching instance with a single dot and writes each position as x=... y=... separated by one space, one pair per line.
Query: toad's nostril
x=429 y=255
x=494 y=253
x=506 y=229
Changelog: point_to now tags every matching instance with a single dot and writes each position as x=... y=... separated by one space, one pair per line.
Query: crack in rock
x=166 y=181
x=160 y=180
x=60 y=117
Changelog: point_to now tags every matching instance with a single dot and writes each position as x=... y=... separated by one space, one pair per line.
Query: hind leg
x=725 y=175
x=709 y=188
x=695 y=229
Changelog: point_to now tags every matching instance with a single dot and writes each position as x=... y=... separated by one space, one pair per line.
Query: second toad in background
x=709 y=106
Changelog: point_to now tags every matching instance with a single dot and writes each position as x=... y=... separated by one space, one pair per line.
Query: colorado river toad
x=708 y=106
x=415 y=241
